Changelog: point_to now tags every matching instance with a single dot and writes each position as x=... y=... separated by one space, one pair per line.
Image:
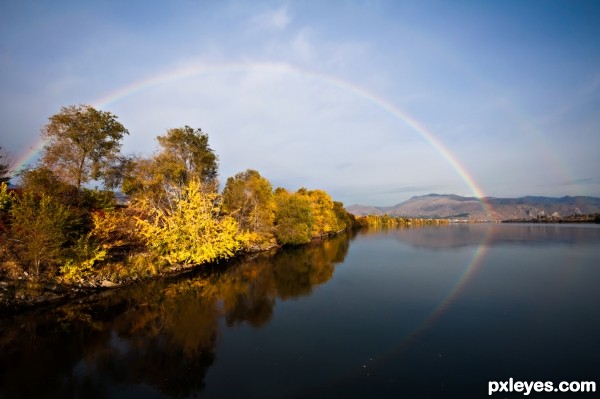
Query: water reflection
x=156 y=339
x=462 y=235
x=411 y=313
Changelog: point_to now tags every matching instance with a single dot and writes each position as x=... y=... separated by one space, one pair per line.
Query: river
x=428 y=312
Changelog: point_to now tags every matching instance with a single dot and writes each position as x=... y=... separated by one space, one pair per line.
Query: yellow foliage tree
x=325 y=221
x=248 y=198
x=189 y=230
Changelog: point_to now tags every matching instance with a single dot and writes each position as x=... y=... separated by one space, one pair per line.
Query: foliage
x=117 y=169
x=324 y=218
x=112 y=231
x=142 y=177
x=344 y=219
x=293 y=217
x=308 y=214
x=43 y=181
x=4 y=168
x=190 y=231
x=81 y=140
x=40 y=231
x=382 y=220
x=248 y=198
x=394 y=221
x=86 y=254
x=6 y=199
x=186 y=154
x=53 y=225
x=97 y=199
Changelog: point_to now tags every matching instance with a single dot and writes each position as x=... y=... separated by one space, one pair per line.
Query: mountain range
x=488 y=208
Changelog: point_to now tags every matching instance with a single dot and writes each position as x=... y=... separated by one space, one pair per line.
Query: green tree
x=81 y=142
x=248 y=198
x=117 y=171
x=7 y=200
x=344 y=219
x=293 y=217
x=142 y=177
x=40 y=228
x=185 y=154
x=43 y=181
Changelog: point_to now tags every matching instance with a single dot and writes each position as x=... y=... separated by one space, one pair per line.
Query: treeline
x=396 y=221
x=582 y=218
x=55 y=228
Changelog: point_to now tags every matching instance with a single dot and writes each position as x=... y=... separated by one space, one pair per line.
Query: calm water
x=431 y=312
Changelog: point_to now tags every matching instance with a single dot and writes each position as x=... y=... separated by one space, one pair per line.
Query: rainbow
x=27 y=157
x=191 y=70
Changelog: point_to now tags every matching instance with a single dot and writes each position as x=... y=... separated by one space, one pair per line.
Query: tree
x=4 y=168
x=117 y=171
x=141 y=176
x=248 y=198
x=321 y=205
x=40 y=230
x=186 y=154
x=7 y=200
x=345 y=220
x=81 y=143
x=43 y=181
x=293 y=217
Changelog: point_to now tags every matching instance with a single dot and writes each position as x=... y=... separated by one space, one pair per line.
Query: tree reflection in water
x=153 y=338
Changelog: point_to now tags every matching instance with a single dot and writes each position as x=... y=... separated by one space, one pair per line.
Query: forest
x=173 y=215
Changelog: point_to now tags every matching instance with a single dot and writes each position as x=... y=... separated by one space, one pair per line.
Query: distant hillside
x=490 y=208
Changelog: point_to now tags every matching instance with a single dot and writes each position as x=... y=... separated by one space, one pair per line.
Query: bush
x=40 y=231
x=190 y=230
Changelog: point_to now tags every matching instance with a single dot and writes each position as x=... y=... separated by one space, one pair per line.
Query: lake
x=427 y=312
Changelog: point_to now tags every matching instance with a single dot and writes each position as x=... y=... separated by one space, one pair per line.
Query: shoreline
x=24 y=295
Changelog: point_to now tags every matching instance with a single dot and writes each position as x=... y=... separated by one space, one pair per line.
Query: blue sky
x=317 y=94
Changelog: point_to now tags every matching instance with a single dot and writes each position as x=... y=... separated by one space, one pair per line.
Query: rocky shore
x=19 y=295
x=26 y=293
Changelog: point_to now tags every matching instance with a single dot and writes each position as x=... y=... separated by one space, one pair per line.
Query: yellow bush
x=189 y=230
